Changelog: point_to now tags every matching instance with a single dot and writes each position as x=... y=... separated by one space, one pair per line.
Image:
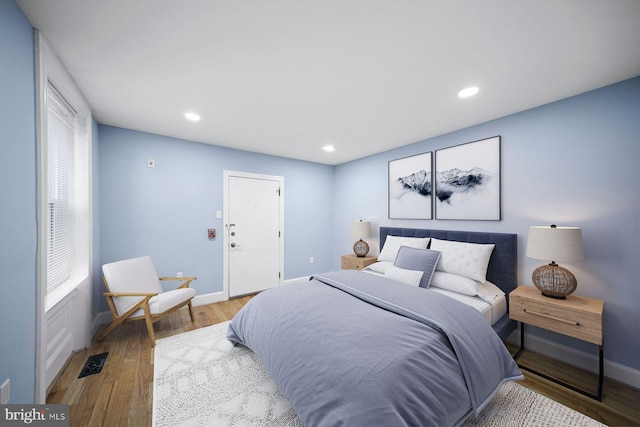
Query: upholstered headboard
x=502 y=270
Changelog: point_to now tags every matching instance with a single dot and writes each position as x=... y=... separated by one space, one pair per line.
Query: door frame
x=227 y=174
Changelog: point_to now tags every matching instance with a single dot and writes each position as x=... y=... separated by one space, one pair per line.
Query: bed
x=349 y=348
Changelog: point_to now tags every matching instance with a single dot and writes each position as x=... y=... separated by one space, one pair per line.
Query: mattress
x=492 y=309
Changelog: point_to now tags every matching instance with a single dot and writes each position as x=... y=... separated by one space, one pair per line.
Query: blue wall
x=165 y=211
x=18 y=226
x=573 y=162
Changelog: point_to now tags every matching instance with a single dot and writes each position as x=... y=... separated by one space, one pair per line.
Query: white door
x=253 y=232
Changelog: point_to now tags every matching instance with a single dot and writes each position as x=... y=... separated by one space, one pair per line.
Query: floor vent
x=94 y=365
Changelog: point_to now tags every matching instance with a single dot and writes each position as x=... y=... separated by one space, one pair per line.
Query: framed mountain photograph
x=467 y=181
x=410 y=187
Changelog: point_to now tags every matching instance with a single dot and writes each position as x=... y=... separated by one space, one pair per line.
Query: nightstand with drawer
x=353 y=262
x=576 y=316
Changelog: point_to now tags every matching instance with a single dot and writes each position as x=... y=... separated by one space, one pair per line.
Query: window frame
x=51 y=71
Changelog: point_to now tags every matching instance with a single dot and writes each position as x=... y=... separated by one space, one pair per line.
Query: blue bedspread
x=353 y=349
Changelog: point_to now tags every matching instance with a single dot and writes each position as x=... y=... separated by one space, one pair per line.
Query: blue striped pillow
x=424 y=260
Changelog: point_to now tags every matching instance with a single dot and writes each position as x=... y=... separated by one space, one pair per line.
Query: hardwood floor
x=620 y=403
x=122 y=394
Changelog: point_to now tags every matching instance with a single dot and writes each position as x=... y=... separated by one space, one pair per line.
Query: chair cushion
x=131 y=275
x=166 y=300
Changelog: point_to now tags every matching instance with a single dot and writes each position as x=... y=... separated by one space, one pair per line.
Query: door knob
x=233 y=233
x=233 y=245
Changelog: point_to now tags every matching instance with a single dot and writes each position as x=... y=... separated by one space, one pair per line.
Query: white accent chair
x=134 y=292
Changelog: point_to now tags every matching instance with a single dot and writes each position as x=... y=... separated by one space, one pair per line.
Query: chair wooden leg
x=193 y=319
x=147 y=318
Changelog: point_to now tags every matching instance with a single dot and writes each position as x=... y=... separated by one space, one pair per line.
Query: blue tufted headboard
x=503 y=266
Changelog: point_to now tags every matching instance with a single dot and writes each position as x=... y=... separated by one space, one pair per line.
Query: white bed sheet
x=491 y=311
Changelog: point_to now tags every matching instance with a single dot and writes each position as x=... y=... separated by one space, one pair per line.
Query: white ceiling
x=286 y=77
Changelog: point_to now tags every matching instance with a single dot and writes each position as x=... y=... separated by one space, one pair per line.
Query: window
x=65 y=181
x=61 y=192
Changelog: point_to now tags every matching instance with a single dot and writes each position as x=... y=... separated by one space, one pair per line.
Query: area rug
x=201 y=379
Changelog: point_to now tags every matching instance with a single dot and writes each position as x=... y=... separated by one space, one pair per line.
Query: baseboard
x=211 y=298
x=214 y=297
x=101 y=318
x=580 y=359
x=296 y=280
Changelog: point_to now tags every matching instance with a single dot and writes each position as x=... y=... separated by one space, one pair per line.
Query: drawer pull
x=570 y=322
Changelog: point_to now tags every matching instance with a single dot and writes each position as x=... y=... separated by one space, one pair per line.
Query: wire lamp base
x=554 y=281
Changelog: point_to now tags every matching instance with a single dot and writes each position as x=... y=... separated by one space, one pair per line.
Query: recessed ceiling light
x=329 y=148
x=192 y=116
x=470 y=91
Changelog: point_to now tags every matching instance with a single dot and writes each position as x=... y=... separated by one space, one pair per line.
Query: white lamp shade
x=361 y=229
x=562 y=244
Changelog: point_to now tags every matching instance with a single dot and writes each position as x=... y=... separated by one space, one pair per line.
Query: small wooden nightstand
x=353 y=262
x=578 y=317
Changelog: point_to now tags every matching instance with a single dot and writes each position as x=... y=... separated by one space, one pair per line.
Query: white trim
x=225 y=240
x=297 y=280
x=50 y=68
x=102 y=318
x=578 y=358
x=212 y=298
x=41 y=319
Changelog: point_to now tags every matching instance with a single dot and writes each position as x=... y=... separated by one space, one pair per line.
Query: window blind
x=61 y=194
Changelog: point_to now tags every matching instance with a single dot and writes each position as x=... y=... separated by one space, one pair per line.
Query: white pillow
x=393 y=243
x=408 y=277
x=463 y=259
x=454 y=283
x=378 y=267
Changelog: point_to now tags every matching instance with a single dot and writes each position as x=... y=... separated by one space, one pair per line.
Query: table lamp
x=555 y=244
